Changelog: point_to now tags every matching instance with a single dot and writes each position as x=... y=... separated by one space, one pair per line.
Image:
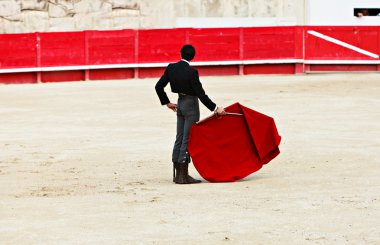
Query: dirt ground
x=89 y=163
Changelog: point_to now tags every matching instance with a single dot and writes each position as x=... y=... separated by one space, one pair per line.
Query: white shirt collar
x=186 y=61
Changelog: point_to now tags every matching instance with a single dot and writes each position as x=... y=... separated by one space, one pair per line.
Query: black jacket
x=183 y=79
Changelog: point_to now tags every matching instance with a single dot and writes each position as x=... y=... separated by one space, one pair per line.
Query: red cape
x=231 y=147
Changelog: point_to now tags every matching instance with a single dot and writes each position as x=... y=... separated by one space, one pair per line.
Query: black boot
x=175 y=170
x=189 y=178
x=182 y=176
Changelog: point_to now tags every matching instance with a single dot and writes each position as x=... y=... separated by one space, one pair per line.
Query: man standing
x=184 y=80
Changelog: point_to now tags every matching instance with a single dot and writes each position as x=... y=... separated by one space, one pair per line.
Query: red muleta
x=231 y=147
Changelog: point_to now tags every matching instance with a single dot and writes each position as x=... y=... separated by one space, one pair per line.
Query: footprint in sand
x=45 y=164
x=136 y=183
x=71 y=171
x=154 y=199
x=50 y=192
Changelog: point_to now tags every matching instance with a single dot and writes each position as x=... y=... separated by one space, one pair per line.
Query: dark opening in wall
x=360 y=12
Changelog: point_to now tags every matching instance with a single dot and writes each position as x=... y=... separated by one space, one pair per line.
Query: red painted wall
x=146 y=46
x=363 y=37
x=110 y=47
x=22 y=77
x=62 y=48
x=34 y=50
x=62 y=76
x=272 y=43
x=106 y=74
x=159 y=45
x=18 y=50
x=215 y=44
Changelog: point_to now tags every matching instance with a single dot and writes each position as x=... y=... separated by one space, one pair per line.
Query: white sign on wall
x=341 y=12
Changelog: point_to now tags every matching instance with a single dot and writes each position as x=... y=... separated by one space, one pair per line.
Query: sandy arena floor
x=89 y=163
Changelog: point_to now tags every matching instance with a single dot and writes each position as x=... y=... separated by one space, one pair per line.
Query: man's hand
x=172 y=106
x=220 y=111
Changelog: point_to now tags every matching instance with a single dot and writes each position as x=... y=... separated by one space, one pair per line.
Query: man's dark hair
x=188 y=52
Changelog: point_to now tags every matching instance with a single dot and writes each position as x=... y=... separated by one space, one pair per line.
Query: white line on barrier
x=147 y=65
x=341 y=43
x=206 y=63
x=342 y=62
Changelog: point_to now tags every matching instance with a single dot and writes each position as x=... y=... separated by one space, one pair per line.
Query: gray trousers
x=187 y=114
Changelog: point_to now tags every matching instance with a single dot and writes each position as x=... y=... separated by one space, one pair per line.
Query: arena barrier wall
x=122 y=54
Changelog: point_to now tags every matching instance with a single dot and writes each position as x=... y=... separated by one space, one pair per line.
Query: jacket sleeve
x=164 y=80
x=199 y=91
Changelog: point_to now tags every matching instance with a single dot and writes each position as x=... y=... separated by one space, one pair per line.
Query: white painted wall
x=341 y=12
x=235 y=22
x=19 y=16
